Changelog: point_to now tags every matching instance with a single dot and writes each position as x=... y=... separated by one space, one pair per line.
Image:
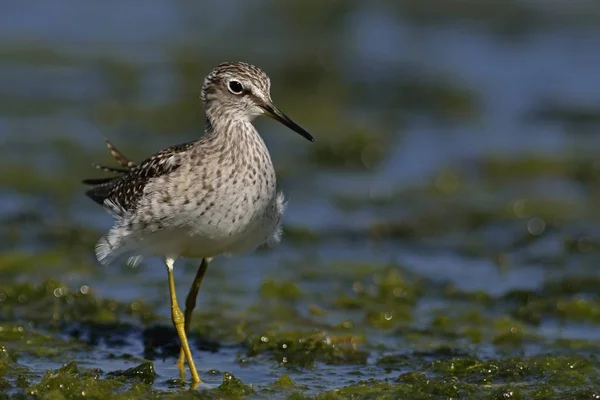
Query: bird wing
x=122 y=192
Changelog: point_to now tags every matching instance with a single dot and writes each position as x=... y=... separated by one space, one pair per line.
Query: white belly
x=225 y=230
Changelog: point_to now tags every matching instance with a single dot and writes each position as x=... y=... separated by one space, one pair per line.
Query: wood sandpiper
x=216 y=195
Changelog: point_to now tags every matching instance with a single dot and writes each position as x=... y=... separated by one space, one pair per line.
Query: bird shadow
x=158 y=341
x=161 y=341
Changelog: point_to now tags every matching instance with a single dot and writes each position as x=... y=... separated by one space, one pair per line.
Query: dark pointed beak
x=277 y=115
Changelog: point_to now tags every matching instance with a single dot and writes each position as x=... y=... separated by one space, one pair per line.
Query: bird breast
x=230 y=209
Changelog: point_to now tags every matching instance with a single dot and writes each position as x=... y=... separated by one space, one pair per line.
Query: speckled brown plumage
x=211 y=196
x=125 y=190
x=120 y=157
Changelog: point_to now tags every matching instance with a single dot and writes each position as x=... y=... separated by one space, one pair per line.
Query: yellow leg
x=179 y=322
x=190 y=304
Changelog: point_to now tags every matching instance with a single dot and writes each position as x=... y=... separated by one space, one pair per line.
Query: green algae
x=69 y=382
x=232 y=387
x=288 y=291
x=304 y=349
x=285 y=382
x=467 y=377
x=423 y=389
x=15 y=263
x=578 y=118
x=564 y=300
x=73 y=382
x=344 y=270
x=144 y=372
x=522 y=378
x=387 y=287
x=51 y=300
x=24 y=340
x=7 y=367
x=387 y=299
x=534 y=167
x=556 y=371
x=354 y=149
x=444 y=98
x=299 y=235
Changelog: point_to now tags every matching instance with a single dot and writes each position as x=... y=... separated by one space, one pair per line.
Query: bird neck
x=231 y=128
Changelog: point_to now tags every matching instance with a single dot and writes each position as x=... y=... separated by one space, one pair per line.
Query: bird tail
x=120 y=157
x=101 y=188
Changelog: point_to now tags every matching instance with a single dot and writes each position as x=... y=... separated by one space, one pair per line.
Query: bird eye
x=235 y=87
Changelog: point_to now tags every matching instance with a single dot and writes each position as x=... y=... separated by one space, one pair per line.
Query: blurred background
x=446 y=216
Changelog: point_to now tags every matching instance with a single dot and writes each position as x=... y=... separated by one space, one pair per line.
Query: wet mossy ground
x=471 y=345
x=536 y=377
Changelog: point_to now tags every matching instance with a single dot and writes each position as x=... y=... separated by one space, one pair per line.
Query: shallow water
x=440 y=236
